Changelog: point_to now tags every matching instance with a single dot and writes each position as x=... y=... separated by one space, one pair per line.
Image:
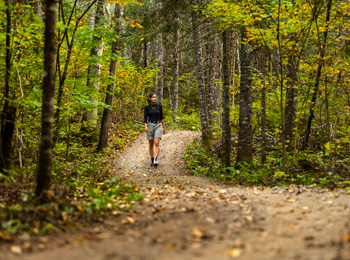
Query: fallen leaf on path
x=196 y=233
x=16 y=249
x=27 y=246
x=346 y=238
x=249 y=218
x=170 y=247
x=83 y=238
x=209 y=220
x=234 y=252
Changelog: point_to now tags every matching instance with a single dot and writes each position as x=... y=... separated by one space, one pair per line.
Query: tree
x=322 y=52
x=94 y=70
x=200 y=81
x=8 y=114
x=176 y=60
x=226 y=82
x=245 y=137
x=45 y=160
x=110 y=89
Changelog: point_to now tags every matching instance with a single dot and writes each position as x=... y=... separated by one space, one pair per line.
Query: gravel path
x=185 y=217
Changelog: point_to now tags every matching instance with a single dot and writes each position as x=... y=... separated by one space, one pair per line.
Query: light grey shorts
x=154 y=131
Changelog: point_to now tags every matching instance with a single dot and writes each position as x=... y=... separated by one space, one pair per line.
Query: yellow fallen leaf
x=234 y=252
x=346 y=238
x=249 y=218
x=130 y=220
x=170 y=247
x=197 y=233
x=16 y=249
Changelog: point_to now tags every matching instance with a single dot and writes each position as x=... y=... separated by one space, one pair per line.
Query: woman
x=153 y=114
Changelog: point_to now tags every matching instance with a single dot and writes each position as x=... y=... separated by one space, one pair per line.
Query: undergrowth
x=305 y=169
x=83 y=188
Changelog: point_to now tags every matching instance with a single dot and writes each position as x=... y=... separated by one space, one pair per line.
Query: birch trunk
x=226 y=76
x=200 y=82
x=110 y=88
x=94 y=70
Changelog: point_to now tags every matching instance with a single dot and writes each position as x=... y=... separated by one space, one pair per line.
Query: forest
x=265 y=82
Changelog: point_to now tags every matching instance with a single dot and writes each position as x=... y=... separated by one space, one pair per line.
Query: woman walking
x=154 y=127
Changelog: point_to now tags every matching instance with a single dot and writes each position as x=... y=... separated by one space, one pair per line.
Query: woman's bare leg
x=151 y=148
x=156 y=148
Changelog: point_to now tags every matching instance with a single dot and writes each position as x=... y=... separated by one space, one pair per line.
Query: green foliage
x=306 y=168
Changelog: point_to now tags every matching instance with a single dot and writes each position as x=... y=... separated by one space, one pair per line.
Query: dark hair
x=150 y=95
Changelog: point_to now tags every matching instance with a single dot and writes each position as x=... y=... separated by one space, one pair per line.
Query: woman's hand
x=164 y=132
x=146 y=129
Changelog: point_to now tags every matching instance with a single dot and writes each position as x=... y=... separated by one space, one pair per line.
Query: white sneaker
x=155 y=161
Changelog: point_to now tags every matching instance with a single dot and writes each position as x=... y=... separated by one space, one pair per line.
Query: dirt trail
x=186 y=217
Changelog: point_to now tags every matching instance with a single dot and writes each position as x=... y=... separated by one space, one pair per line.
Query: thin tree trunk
x=45 y=160
x=263 y=121
x=212 y=56
x=291 y=101
x=318 y=76
x=94 y=70
x=63 y=75
x=175 y=96
x=200 y=82
x=244 y=147
x=160 y=77
x=8 y=115
x=109 y=96
x=226 y=76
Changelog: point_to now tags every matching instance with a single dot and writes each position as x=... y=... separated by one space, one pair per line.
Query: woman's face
x=153 y=99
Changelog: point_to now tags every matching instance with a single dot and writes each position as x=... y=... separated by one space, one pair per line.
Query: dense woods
x=266 y=83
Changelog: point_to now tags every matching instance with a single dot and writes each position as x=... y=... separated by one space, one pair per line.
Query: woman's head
x=152 y=98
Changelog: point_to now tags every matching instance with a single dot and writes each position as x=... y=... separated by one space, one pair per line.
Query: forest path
x=187 y=217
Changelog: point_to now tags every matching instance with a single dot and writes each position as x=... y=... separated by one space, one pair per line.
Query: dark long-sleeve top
x=153 y=113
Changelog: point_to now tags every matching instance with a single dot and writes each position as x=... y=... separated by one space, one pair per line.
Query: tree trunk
x=226 y=76
x=318 y=76
x=212 y=56
x=160 y=77
x=244 y=148
x=175 y=95
x=63 y=75
x=291 y=101
x=8 y=114
x=109 y=96
x=94 y=70
x=200 y=82
x=45 y=160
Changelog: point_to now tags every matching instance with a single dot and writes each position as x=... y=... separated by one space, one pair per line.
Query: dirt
x=187 y=217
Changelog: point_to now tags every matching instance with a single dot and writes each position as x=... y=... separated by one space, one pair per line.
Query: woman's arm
x=145 y=118
x=163 y=124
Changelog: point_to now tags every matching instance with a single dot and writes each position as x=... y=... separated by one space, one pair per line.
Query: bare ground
x=186 y=217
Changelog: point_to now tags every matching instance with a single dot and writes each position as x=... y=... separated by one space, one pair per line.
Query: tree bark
x=112 y=71
x=94 y=70
x=244 y=148
x=160 y=77
x=291 y=101
x=318 y=76
x=212 y=56
x=45 y=160
x=226 y=76
x=8 y=114
x=200 y=82
x=175 y=95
